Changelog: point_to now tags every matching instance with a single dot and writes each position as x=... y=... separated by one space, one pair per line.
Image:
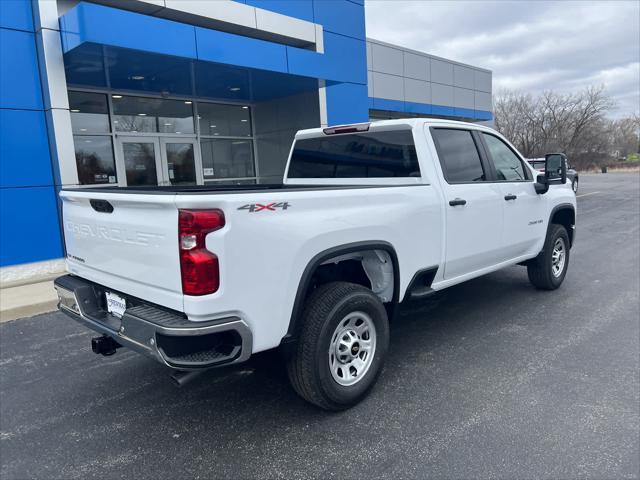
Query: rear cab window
x=373 y=154
x=459 y=155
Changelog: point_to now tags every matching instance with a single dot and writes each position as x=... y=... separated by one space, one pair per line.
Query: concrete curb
x=27 y=300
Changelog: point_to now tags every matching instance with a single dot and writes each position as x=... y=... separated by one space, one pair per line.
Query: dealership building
x=181 y=92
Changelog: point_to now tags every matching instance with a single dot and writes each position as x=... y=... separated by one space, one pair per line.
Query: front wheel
x=574 y=185
x=342 y=346
x=548 y=269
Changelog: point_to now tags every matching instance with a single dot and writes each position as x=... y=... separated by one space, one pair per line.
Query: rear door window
x=362 y=155
x=458 y=154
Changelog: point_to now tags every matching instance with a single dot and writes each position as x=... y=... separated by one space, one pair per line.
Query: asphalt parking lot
x=488 y=379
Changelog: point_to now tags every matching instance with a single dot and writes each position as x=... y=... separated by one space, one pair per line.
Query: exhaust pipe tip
x=181 y=377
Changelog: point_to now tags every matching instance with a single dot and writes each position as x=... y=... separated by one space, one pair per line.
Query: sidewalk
x=27 y=300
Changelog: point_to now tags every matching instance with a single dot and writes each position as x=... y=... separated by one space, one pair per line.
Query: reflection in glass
x=181 y=163
x=224 y=120
x=508 y=165
x=89 y=112
x=138 y=114
x=140 y=163
x=226 y=158
x=94 y=158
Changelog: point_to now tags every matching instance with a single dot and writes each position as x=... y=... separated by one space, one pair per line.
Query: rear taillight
x=198 y=266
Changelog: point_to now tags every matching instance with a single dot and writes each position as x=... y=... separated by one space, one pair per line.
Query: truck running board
x=421 y=293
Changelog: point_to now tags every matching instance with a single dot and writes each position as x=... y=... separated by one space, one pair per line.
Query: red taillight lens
x=199 y=267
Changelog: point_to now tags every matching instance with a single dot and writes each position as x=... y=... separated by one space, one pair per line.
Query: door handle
x=510 y=197
x=457 y=201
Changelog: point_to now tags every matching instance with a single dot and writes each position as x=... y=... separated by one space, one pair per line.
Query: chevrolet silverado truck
x=368 y=216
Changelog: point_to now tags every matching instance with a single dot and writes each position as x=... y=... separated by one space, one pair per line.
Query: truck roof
x=400 y=122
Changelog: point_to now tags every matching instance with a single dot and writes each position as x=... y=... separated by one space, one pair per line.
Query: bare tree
x=574 y=123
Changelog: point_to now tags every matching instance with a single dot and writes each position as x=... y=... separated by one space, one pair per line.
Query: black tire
x=540 y=269
x=308 y=367
x=574 y=185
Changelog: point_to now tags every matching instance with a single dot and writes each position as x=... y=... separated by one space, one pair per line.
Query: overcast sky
x=529 y=45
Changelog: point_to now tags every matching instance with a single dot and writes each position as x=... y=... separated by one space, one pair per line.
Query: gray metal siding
x=417 y=91
x=417 y=66
x=396 y=73
x=388 y=86
x=387 y=60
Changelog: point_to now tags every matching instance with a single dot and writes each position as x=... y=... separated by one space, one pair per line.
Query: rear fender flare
x=295 y=321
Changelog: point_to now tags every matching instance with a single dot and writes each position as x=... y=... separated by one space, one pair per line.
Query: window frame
x=196 y=136
x=109 y=134
x=486 y=168
x=491 y=162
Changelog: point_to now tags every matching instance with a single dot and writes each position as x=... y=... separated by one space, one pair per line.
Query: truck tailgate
x=125 y=241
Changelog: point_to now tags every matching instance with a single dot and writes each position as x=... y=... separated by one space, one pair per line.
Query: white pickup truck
x=368 y=216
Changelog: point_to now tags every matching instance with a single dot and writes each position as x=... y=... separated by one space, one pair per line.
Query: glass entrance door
x=139 y=161
x=179 y=162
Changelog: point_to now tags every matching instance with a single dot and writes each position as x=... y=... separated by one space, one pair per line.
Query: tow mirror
x=555 y=168
x=555 y=172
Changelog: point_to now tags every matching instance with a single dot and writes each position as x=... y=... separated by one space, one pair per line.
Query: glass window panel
x=226 y=158
x=89 y=112
x=94 y=158
x=365 y=155
x=140 y=163
x=181 y=163
x=458 y=155
x=138 y=114
x=508 y=165
x=224 y=120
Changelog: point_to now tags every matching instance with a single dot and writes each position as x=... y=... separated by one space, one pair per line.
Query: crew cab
x=367 y=216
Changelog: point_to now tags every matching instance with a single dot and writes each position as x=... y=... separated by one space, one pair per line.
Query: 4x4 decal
x=259 y=207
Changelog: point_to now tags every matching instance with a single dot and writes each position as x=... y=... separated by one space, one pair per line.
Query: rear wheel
x=342 y=346
x=574 y=185
x=548 y=269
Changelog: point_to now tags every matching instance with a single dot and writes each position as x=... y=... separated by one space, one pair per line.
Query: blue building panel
x=344 y=60
x=443 y=110
x=90 y=23
x=292 y=8
x=465 y=112
x=29 y=225
x=421 y=108
x=483 y=115
x=347 y=103
x=221 y=47
x=389 y=105
x=340 y=16
x=24 y=149
x=19 y=75
x=16 y=14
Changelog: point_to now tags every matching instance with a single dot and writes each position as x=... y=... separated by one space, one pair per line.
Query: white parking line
x=586 y=194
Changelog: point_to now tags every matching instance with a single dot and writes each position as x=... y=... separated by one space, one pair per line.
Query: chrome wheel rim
x=575 y=186
x=353 y=346
x=558 y=257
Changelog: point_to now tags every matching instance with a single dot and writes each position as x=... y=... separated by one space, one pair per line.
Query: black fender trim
x=319 y=259
x=556 y=209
